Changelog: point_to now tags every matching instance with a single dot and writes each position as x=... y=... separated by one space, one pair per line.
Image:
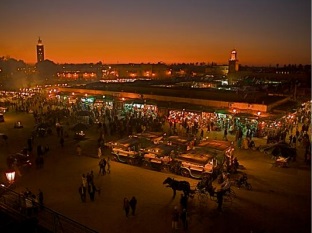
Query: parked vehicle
x=175 y=154
x=206 y=159
x=155 y=137
x=194 y=164
x=182 y=143
x=128 y=150
x=159 y=156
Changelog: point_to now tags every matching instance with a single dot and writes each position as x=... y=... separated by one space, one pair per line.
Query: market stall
x=140 y=108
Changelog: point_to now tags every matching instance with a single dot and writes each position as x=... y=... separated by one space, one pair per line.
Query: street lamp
x=10 y=175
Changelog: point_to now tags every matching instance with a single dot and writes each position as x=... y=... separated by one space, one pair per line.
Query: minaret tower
x=40 y=51
x=233 y=62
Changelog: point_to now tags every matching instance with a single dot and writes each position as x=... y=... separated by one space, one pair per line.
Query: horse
x=178 y=185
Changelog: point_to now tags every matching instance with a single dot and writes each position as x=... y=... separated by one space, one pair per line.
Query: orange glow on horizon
x=124 y=54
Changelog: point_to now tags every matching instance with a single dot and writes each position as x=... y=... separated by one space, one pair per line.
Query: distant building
x=150 y=71
x=233 y=74
x=85 y=71
x=233 y=62
x=40 y=51
x=216 y=70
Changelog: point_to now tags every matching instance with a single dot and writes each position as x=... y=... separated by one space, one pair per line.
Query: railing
x=20 y=207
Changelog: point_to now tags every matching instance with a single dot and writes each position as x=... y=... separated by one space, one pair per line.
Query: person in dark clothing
x=126 y=206
x=220 y=195
x=82 y=192
x=183 y=201
x=40 y=199
x=29 y=143
x=39 y=150
x=225 y=134
x=102 y=165
x=91 y=190
x=184 y=219
x=62 y=141
x=133 y=203
x=175 y=218
x=201 y=134
x=39 y=161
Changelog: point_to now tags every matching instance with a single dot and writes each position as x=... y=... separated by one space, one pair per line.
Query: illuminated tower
x=233 y=62
x=40 y=51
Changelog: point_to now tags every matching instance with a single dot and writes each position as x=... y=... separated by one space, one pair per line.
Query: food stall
x=140 y=108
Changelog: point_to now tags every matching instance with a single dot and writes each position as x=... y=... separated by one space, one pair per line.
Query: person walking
x=225 y=187
x=225 y=134
x=99 y=154
x=183 y=201
x=84 y=181
x=184 y=219
x=91 y=177
x=174 y=219
x=79 y=150
x=62 y=141
x=126 y=206
x=108 y=165
x=82 y=192
x=40 y=199
x=102 y=165
x=294 y=142
x=201 y=134
x=133 y=203
x=91 y=190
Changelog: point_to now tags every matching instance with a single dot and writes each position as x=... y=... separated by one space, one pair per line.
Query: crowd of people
x=31 y=203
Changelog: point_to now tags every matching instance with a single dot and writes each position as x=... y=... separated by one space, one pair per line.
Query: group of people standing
x=87 y=185
x=129 y=204
x=30 y=202
x=182 y=215
x=176 y=216
x=102 y=164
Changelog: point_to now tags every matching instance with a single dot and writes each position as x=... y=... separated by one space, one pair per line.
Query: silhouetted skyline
x=263 y=32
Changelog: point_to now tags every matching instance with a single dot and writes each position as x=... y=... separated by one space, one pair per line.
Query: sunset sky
x=266 y=32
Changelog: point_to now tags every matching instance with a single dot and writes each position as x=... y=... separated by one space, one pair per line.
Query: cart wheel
x=146 y=165
x=165 y=168
x=185 y=172
x=115 y=158
x=130 y=161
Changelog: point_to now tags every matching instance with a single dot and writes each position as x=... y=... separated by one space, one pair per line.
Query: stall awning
x=140 y=101
x=222 y=111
